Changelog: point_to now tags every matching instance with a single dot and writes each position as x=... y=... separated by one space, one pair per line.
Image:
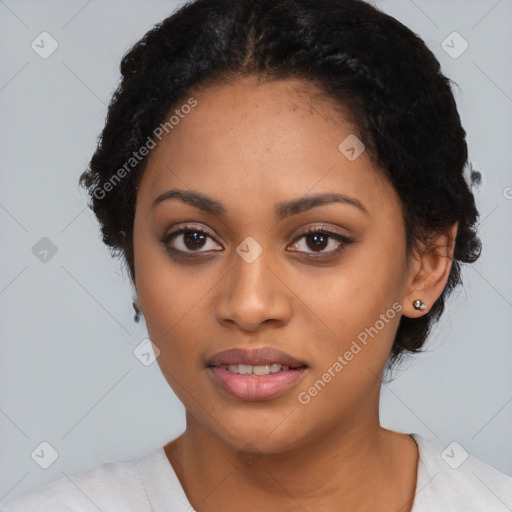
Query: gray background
x=68 y=375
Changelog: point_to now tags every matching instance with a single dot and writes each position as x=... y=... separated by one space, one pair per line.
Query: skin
x=251 y=144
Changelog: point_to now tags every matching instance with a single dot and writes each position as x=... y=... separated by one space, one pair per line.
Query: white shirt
x=447 y=481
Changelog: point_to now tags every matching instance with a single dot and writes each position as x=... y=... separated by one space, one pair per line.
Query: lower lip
x=254 y=388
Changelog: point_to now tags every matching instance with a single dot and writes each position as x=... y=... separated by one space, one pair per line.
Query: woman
x=285 y=181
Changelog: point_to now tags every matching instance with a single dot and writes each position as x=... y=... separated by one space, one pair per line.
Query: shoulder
x=109 y=487
x=451 y=480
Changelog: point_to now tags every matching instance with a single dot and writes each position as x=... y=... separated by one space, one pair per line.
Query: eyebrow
x=282 y=210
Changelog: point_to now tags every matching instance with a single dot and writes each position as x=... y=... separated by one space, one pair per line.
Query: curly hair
x=364 y=60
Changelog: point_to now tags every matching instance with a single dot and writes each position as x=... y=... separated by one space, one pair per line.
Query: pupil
x=319 y=241
x=194 y=240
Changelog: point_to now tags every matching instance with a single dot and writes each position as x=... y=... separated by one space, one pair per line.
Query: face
x=234 y=282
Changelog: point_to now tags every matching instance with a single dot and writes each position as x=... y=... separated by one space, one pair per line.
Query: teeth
x=247 y=369
x=261 y=370
x=244 y=369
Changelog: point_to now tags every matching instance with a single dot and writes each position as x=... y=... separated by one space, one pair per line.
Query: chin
x=262 y=434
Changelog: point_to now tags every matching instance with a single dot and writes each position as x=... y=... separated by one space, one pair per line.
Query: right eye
x=188 y=240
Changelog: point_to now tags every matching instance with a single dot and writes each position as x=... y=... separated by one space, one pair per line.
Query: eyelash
x=321 y=230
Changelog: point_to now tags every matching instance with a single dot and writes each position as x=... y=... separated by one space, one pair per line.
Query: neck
x=356 y=466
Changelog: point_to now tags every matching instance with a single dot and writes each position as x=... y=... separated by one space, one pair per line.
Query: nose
x=253 y=294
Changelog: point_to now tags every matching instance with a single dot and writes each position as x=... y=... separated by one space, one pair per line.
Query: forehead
x=270 y=140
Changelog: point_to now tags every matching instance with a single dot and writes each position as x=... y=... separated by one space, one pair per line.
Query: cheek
x=354 y=294
x=170 y=300
x=357 y=306
x=173 y=299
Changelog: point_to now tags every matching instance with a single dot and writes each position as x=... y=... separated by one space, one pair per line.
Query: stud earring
x=417 y=304
x=136 y=308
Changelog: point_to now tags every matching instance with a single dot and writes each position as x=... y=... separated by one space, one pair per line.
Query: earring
x=136 y=308
x=417 y=304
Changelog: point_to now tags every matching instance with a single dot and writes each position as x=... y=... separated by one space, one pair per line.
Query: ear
x=429 y=271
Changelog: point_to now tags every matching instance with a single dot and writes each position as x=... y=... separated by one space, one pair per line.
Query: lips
x=255 y=375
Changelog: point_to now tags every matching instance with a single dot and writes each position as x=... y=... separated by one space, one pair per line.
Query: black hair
x=364 y=60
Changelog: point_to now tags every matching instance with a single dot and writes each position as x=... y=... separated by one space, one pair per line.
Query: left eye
x=319 y=239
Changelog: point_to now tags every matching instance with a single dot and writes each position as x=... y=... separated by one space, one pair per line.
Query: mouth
x=257 y=370
x=255 y=375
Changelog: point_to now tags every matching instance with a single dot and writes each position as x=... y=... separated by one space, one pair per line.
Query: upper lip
x=254 y=357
